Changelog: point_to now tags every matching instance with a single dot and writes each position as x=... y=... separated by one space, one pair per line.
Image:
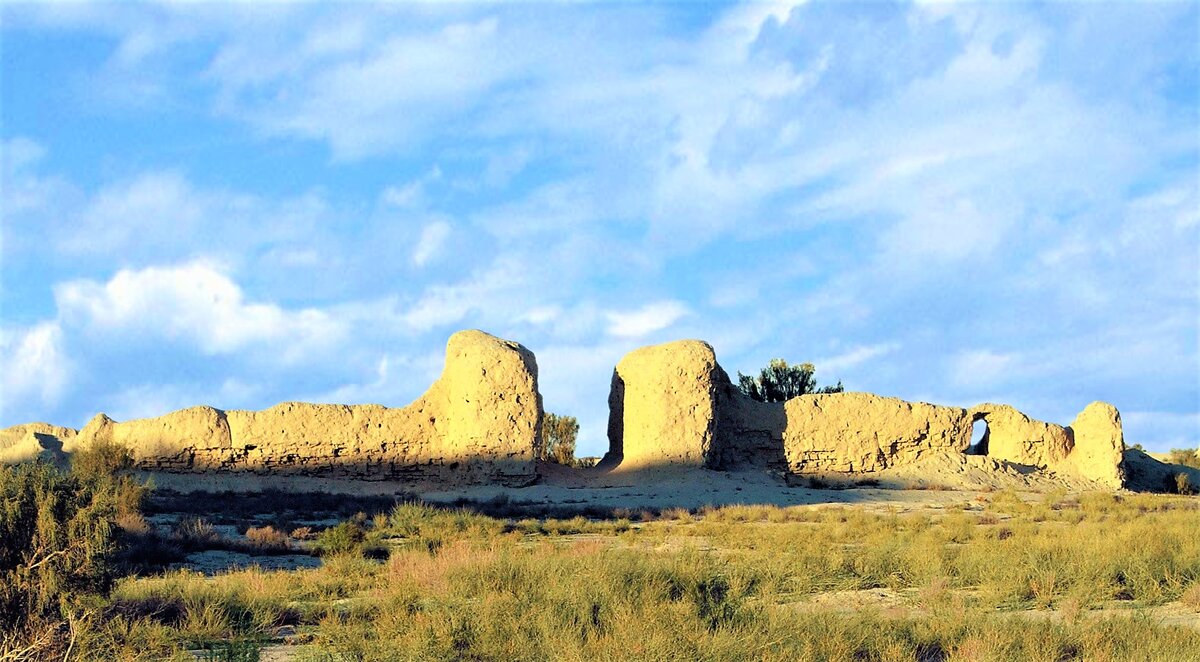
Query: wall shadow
x=749 y=433
x=1144 y=473
x=616 y=425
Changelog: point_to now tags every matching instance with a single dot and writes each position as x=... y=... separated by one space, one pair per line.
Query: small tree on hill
x=1188 y=457
x=779 y=381
x=558 y=439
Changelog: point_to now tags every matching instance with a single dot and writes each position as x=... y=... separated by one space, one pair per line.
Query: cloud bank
x=954 y=203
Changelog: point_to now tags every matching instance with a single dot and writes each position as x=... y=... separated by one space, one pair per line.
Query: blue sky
x=239 y=205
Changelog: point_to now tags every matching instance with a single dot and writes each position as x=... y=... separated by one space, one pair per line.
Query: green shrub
x=105 y=466
x=779 y=382
x=56 y=547
x=345 y=538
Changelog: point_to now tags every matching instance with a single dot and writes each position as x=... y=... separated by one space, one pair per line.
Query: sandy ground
x=935 y=479
x=582 y=489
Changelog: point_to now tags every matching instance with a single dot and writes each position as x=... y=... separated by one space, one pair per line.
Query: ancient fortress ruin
x=672 y=406
x=476 y=424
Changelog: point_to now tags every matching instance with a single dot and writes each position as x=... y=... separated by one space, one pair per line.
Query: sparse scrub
x=238 y=650
x=268 y=538
x=282 y=507
x=721 y=582
x=1188 y=457
x=196 y=533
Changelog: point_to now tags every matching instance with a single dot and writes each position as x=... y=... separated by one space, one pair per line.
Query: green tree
x=779 y=381
x=58 y=542
x=558 y=439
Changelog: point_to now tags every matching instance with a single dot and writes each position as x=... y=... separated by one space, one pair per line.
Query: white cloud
x=855 y=356
x=196 y=302
x=982 y=368
x=29 y=197
x=155 y=206
x=373 y=100
x=1178 y=205
x=502 y=166
x=20 y=153
x=649 y=318
x=413 y=194
x=542 y=315
x=578 y=322
x=358 y=393
x=433 y=237
x=495 y=292
x=394 y=381
x=159 y=216
x=150 y=400
x=1167 y=429
x=34 y=367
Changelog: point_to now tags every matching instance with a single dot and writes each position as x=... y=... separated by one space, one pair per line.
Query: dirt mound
x=1144 y=473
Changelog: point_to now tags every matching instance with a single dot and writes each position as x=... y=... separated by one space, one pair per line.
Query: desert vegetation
x=1188 y=457
x=996 y=576
x=557 y=441
x=779 y=381
x=60 y=547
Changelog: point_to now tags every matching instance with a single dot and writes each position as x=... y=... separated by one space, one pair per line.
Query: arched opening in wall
x=979 y=437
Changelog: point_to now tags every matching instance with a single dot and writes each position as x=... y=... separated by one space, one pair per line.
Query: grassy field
x=985 y=576
x=1063 y=577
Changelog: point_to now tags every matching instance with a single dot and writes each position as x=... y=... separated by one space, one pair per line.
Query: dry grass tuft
x=1191 y=597
x=268 y=538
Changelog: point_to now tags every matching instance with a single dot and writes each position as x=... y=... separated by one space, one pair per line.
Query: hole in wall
x=979 y=437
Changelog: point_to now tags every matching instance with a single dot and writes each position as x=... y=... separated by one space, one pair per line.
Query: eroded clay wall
x=29 y=441
x=1014 y=437
x=663 y=406
x=673 y=405
x=1099 y=449
x=862 y=432
x=477 y=423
